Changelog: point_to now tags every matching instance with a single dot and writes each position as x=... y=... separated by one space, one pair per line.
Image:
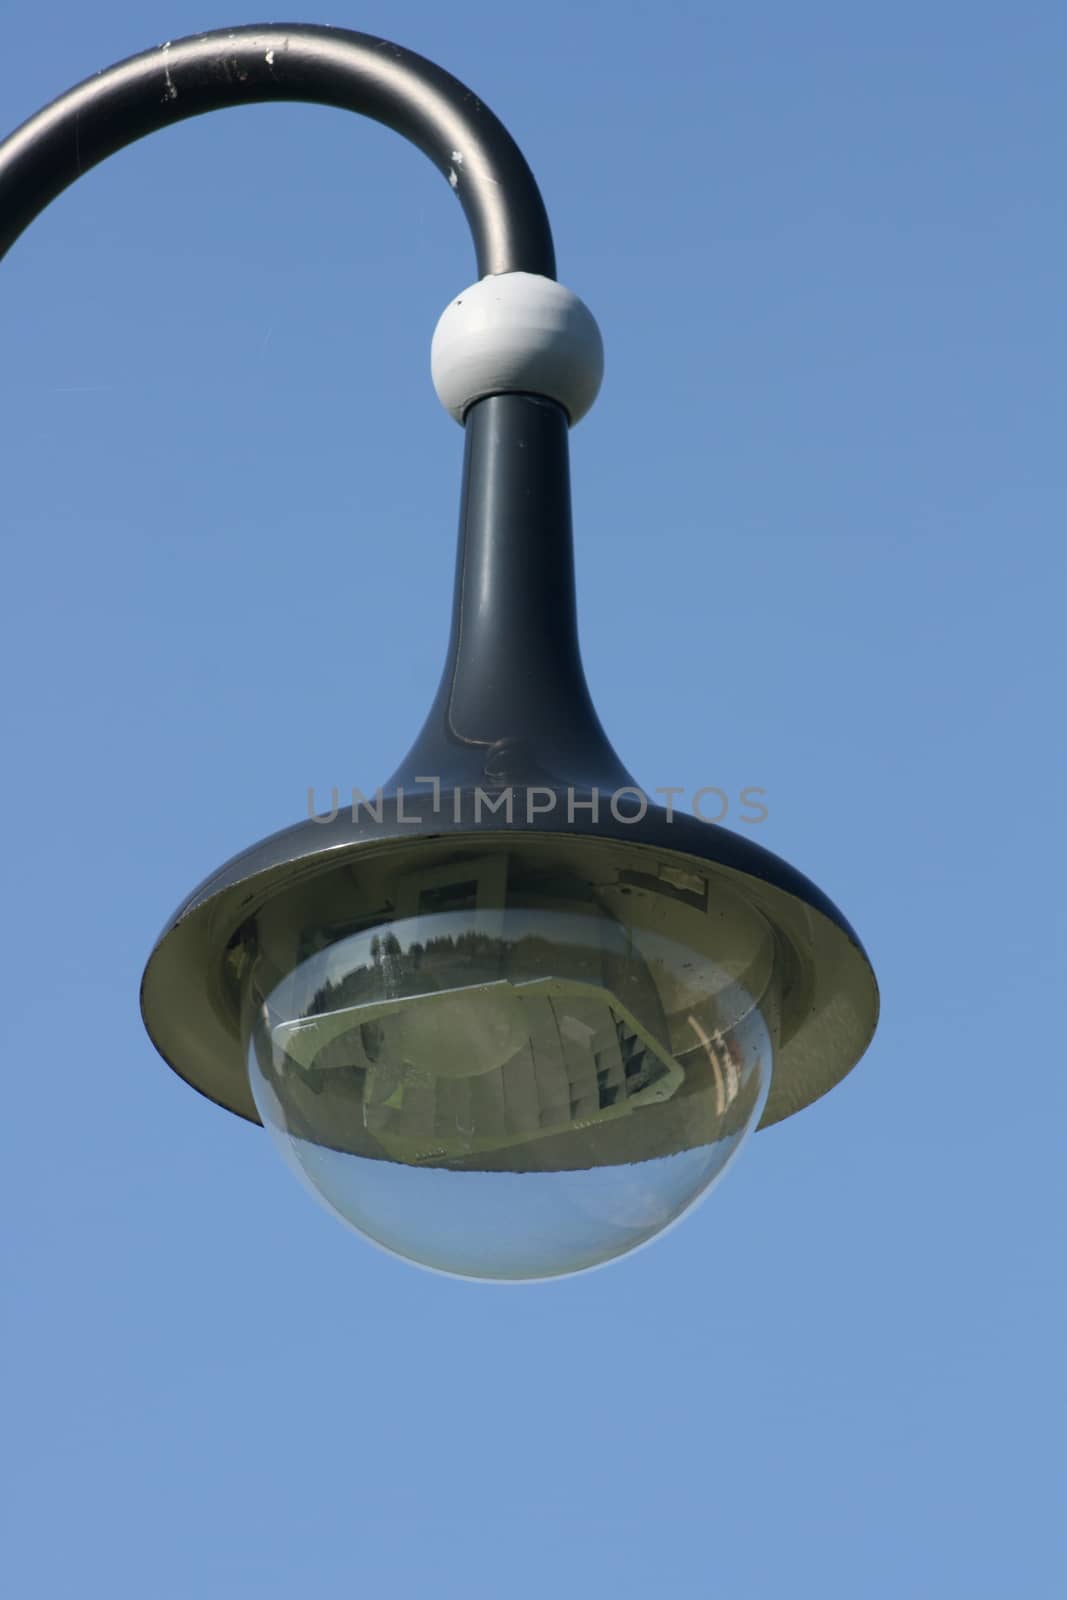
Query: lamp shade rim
x=192 y=1015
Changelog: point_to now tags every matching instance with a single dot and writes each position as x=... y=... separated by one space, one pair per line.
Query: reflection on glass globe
x=508 y=1067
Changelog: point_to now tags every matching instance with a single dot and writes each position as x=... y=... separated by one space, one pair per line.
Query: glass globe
x=507 y=1063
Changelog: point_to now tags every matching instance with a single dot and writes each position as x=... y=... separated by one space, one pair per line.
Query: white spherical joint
x=517 y=333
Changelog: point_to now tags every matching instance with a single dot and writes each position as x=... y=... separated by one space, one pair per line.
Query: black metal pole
x=297 y=61
x=513 y=706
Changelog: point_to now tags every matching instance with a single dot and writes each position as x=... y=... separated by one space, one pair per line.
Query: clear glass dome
x=506 y=1063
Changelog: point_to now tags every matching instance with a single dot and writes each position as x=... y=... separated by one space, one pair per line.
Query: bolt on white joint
x=517 y=333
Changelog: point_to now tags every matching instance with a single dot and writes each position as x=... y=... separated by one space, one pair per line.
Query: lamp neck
x=513 y=706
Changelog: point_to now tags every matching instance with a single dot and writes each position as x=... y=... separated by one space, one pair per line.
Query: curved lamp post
x=507 y=1017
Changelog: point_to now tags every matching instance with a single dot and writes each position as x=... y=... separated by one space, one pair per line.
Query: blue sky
x=820 y=536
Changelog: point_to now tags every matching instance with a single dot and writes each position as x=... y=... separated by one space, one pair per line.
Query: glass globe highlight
x=514 y=1068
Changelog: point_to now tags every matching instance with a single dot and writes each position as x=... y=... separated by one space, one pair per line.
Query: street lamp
x=507 y=1016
